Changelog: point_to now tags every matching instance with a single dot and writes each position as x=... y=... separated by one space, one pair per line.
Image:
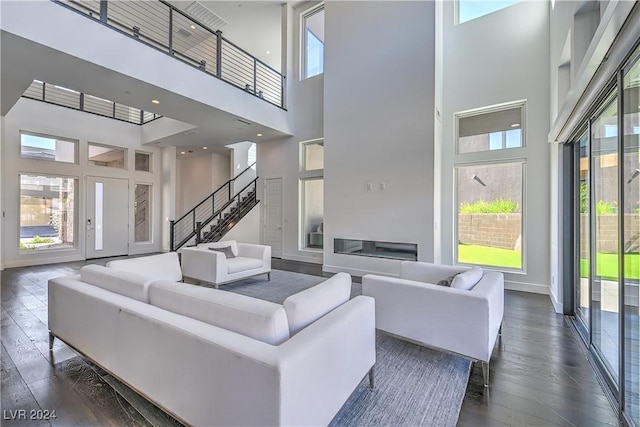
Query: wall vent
x=245 y=122
x=184 y=33
x=204 y=15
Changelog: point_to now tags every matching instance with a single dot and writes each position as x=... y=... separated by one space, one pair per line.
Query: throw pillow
x=226 y=250
x=468 y=279
x=446 y=281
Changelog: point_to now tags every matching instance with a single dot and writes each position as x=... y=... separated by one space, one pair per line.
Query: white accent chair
x=214 y=267
x=466 y=322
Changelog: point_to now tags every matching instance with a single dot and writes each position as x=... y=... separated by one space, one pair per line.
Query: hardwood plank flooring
x=539 y=372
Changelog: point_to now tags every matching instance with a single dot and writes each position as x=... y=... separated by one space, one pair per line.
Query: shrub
x=38 y=239
x=605 y=208
x=25 y=247
x=494 y=207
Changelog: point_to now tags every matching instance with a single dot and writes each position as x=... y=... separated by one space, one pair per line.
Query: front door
x=273 y=215
x=107 y=219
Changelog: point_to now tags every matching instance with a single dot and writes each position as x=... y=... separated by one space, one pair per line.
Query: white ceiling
x=255 y=26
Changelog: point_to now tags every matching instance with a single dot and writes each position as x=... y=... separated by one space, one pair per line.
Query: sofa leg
x=485 y=373
x=372 y=380
x=51 y=338
x=269 y=276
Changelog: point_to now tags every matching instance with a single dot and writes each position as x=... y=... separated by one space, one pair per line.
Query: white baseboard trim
x=42 y=261
x=313 y=260
x=557 y=305
x=533 y=288
x=353 y=271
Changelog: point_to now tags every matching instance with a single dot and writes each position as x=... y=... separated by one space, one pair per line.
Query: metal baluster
x=103 y=11
x=219 y=54
x=171 y=231
x=255 y=76
x=171 y=31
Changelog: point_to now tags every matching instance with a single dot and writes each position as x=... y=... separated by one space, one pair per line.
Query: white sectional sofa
x=206 y=265
x=211 y=357
x=463 y=321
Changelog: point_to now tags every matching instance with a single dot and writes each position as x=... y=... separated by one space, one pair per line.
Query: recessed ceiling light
x=193 y=27
x=205 y=148
x=259 y=134
x=515 y=125
x=267 y=52
x=155 y=101
x=183 y=152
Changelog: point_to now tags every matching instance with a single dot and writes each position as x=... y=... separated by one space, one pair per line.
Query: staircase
x=212 y=218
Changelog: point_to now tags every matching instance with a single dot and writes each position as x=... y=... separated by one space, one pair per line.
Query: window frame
x=115 y=147
x=303 y=40
x=303 y=154
x=151 y=212
x=492 y=109
x=76 y=204
x=75 y=143
x=302 y=212
x=456 y=12
x=523 y=210
x=147 y=153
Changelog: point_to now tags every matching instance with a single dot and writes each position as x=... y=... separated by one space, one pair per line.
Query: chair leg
x=51 y=338
x=372 y=380
x=485 y=373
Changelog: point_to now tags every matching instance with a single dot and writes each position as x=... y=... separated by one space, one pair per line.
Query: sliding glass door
x=606 y=220
x=631 y=185
x=605 y=206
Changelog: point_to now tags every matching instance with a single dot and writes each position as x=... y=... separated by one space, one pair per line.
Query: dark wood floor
x=539 y=373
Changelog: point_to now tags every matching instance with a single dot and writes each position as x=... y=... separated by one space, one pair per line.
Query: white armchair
x=214 y=267
x=466 y=322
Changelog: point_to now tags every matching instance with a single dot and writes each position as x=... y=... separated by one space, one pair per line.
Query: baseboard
x=557 y=305
x=313 y=260
x=146 y=250
x=533 y=288
x=44 y=261
x=354 y=271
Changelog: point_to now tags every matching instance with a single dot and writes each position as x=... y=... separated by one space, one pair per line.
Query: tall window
x=142 y=213
x=489 y=187
x=312 y=194
x=472 y=9
x=47 y=213
x=313 y=42
x=50 y=148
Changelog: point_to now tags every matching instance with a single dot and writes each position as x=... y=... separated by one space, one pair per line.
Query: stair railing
x=236 y=202
x=164 y=27
x=182 y=230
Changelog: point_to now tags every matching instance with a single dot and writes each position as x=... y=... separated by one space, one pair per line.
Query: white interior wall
x=1 y=192
x=498 y=58
x=281 y=158
x=198 y=177
x=39 y=117
x=379 y=129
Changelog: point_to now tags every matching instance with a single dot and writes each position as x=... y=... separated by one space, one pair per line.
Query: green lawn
x=486 y=255
x=607 y=263
x=607 y=266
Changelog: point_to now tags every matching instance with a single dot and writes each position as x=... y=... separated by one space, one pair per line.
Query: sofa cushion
x=254 y=318
x=238 y=264
x=227 y=251
x=120 y=282
x=467 y=279
x=446 y=281
x=307 y=306
x=160 y=267
x=223 y=244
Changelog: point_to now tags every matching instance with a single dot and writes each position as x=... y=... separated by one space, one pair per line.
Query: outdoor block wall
x=495 y=230
x=607 y=237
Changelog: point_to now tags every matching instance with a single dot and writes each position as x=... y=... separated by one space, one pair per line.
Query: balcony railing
x=70 y=98
x=168 y=29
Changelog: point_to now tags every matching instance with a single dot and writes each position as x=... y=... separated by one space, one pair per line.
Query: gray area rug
x=415 y=385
